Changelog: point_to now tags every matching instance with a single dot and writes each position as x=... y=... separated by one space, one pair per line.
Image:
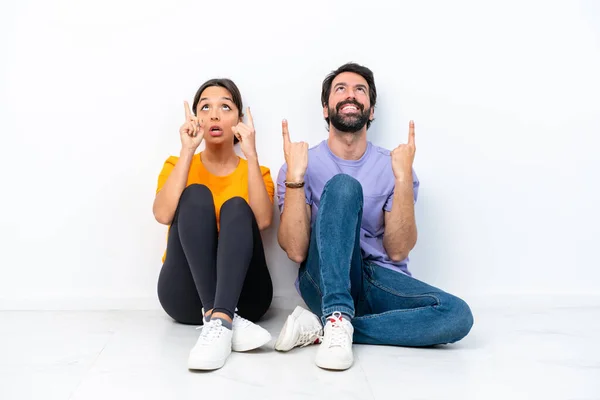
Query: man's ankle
x=343 y=316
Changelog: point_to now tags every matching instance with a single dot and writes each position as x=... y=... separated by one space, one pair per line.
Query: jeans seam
x=392 y=311
x=398 y=294
x=312 y=281
x=344 y=310
x=364 y=296
x=368 y=287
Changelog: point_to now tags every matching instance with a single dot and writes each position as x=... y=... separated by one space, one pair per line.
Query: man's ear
x=372 y=114
x=325 y=112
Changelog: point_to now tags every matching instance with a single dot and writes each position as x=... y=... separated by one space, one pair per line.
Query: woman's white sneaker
x=302 y=328
x=336 y=350
x=212 y=348
x=247 y=335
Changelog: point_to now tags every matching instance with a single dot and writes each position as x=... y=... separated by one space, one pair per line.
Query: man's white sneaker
x=247 y=335
x=336 y=350
x=302 y=328
x=212 y=348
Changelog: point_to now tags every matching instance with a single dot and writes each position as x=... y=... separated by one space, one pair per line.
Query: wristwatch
x=294 y=185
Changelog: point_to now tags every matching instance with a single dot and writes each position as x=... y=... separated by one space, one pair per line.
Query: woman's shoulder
x=173 y=159
x=263 y=168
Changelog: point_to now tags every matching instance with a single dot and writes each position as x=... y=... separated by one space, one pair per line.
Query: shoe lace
x=339 y=336
x=240 y=322
x=210 y=331
x=309 y=336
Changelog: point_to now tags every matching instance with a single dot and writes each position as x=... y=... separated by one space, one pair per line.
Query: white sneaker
x=212 y=348
x=336 y=350
x=246 y=334
x=302 y=328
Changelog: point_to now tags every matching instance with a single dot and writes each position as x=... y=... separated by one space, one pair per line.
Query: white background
x=505 y=97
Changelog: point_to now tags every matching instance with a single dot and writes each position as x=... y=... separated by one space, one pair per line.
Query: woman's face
x=219 y=113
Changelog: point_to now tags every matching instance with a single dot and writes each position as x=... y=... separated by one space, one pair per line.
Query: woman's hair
x=224 y=83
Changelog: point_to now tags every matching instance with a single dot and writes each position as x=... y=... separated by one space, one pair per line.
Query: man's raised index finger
x=411 y=132
x=285 y=131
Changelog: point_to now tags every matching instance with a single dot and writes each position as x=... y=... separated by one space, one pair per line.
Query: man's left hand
x=404 y=155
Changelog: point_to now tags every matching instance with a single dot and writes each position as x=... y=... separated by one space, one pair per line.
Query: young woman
x=216 y=204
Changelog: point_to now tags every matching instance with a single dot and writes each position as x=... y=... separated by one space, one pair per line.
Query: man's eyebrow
x=360 y=85
x=222 y=98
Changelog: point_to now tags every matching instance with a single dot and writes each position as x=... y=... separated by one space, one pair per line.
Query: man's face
x=349 y=107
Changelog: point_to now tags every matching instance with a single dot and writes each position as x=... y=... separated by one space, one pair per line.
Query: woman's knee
x=236 y=203
x=196 y=193
x=196 y=198
x=235 y=208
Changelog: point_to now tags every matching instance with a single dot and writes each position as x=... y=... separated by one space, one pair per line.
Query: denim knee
x=343 y=187
x=461 y=319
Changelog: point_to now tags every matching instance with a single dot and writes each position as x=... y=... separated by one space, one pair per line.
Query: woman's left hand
x=246 y=135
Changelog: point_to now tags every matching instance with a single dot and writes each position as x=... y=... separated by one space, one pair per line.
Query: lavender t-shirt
x=374 y=172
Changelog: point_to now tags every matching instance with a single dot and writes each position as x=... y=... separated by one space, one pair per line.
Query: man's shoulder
x=318 y=148
x=378 y=160
x=379 y=151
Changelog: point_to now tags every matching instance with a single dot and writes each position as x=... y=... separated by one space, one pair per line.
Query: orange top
x=222 y=188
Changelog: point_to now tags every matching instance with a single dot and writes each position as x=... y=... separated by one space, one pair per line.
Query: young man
x=347 y=216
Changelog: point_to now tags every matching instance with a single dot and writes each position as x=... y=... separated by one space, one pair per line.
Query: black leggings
x=221 y=269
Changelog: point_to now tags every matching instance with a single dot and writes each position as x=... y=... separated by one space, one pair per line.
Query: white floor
x=514 y=353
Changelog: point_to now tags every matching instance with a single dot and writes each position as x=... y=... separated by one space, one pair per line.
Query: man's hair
x=365 y=72
x=224 y=83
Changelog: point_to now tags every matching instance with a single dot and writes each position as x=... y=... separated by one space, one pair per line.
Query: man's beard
x=348 y=123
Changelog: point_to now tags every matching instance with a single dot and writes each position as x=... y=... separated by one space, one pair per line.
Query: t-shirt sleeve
x=388 y=204
x=166 y=171
x=281 y=188
x=266 y=174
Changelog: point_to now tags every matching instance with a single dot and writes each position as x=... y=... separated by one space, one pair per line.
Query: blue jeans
x=386 y=307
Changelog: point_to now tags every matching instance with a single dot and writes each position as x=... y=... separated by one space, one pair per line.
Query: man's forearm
x=400 y=230
x=294 y=229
